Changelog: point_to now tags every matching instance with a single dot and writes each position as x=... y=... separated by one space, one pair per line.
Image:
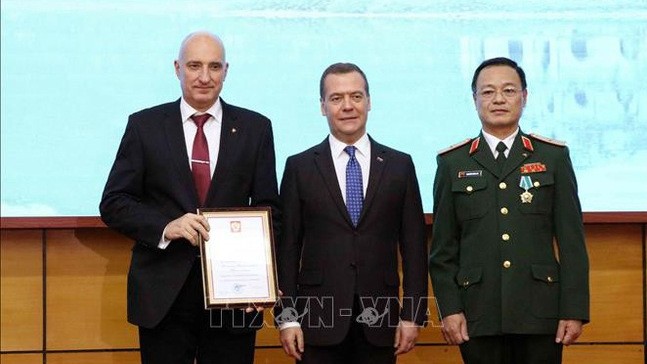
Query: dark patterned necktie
x=200 y=159
x=354 y=188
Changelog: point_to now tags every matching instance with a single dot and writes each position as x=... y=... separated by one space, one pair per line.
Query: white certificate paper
x=238 y=257
x=238 y=261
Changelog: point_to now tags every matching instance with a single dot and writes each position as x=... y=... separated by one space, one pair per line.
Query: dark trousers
x=186 y=334
x=354 y=349
x=512 y=349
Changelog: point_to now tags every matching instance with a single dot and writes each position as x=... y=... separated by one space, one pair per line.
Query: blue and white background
x=72 y=72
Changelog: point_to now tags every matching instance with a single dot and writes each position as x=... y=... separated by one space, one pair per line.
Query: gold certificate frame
x=238 y=260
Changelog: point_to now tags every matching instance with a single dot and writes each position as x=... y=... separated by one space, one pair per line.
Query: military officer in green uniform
x=508 y=261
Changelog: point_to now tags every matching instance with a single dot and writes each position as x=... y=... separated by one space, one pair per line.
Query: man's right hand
x=292 y=341
x=455 y=329
x=188 y=226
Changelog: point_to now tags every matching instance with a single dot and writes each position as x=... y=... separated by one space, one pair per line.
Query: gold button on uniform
x=505 y=237
x=536 y=184
x=507 y=264
x=549 y=279
x=503 y=186
x=469 y=188
x=504 y=211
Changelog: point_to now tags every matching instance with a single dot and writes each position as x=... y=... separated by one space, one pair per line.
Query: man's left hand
x=405 y=337
x=568 y=331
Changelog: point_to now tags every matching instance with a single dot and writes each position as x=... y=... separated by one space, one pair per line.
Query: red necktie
x=200 y=159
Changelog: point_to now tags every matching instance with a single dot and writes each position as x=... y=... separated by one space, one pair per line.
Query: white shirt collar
x=187 y=110
x=492 y=141
x=363 y=145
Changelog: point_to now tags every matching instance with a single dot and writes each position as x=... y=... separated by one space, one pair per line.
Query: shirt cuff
x=287 y=325
x=163 y=242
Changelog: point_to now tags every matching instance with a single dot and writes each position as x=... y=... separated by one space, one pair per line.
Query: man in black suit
x=349 y=204
x=151 y=197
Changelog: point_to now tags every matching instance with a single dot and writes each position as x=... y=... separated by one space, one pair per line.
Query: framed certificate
x=238 y=262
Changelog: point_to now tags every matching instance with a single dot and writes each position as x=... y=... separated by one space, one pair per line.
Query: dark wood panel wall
x=63 y=292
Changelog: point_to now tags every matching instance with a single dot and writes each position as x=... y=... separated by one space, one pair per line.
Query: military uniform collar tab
x=527 y=144
x=475 y=145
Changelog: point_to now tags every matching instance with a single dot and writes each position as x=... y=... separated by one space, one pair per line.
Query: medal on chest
x=526 y=184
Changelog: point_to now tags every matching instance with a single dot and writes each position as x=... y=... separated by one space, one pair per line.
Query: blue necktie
x=354 y=190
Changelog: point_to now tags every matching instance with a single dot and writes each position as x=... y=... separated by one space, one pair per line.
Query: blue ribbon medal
x=526 y=184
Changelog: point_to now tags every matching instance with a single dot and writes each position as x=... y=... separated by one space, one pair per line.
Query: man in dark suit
x=349 y=205
x=151 y=197
x=508 y=261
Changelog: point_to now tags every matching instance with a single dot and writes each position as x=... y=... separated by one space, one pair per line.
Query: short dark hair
x=499 y=61
x=341 y=68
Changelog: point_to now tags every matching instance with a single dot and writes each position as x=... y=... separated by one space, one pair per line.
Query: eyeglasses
x=490 y=93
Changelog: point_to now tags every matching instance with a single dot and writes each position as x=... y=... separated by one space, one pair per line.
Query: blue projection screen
x=72 y=72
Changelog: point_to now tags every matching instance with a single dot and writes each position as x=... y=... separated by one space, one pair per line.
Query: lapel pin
x=233 y=130
x=379 y=159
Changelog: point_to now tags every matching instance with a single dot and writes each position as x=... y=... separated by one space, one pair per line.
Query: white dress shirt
x=340 y=160
x=211 y=129
x=492 y=142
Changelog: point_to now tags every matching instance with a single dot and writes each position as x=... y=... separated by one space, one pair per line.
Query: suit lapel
x=483 y=156
x=323 y=161
x=229 y=130
x=378 y=163
x=177 y=147
x=516 y=156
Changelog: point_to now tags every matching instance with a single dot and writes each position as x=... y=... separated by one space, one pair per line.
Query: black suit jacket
x=322 y=256
x=151 y=184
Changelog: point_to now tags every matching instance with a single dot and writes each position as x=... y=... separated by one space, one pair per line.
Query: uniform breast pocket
x=470 y=197
x=541 y=202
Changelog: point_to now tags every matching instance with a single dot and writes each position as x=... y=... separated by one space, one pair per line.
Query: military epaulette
x=454 y=146
x=558 y=143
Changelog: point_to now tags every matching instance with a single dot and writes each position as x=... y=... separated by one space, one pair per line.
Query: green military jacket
x=508 y=247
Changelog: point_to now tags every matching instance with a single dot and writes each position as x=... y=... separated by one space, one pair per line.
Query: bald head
x=203 y=36
x=201 y=69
